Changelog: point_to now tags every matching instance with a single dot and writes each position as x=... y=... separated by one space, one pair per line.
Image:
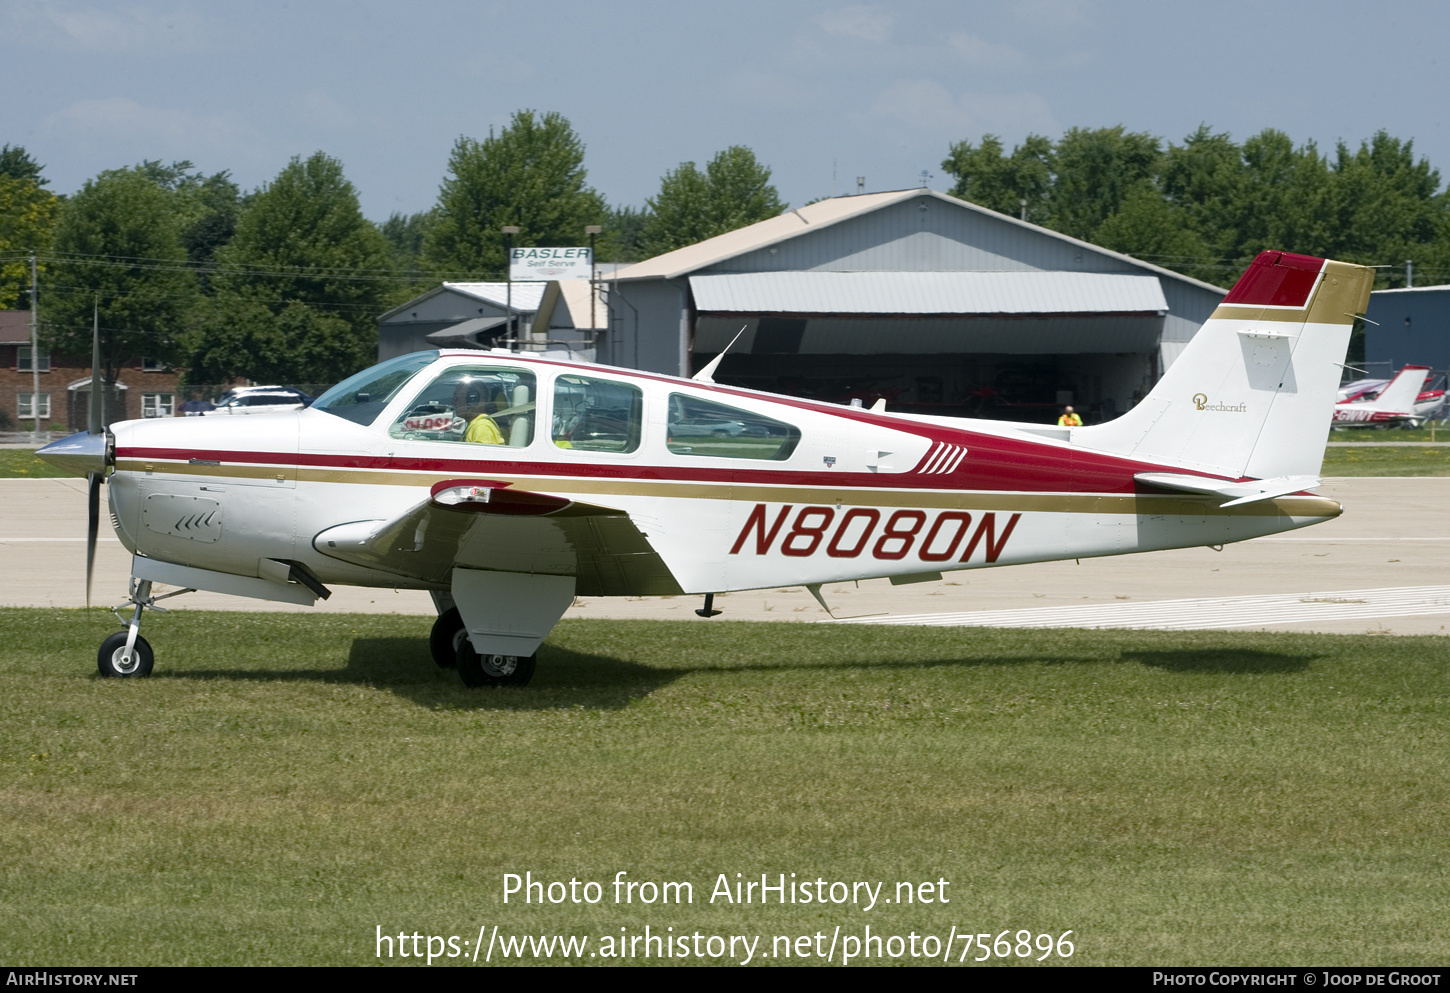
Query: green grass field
x=1378 y=436
x=285 y=784
x=1373 y=460
x=20 y=463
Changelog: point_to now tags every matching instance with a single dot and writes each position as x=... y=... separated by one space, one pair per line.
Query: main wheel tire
x=493 y=670
x=108 y=659
x=448 y=632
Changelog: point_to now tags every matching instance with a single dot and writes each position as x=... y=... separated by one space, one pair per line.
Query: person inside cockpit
x=470 y=404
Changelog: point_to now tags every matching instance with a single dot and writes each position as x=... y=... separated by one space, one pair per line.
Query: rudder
x=1253 y=393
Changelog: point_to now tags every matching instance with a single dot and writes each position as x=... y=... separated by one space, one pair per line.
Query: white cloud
x=867 y=23
x=125 y=125
x=96 y=29
x=928 y=106
x=978 y=53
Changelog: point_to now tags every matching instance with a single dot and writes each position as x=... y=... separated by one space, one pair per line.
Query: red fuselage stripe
x=991 y=464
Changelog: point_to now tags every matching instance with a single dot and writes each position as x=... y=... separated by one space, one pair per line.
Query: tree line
x=285 y=282
x=1207 y=206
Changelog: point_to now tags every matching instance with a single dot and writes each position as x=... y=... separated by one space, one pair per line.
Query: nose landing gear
x=126 y=654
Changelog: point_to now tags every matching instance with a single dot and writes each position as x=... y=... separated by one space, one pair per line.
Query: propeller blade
x=93 y=526
x=96 y=424
x=97 y=420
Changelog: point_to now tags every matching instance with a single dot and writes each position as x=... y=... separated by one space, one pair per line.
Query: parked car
x=260 y=400
x=708 y=429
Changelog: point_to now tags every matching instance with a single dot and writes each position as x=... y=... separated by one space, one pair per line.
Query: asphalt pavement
x=1377 y=568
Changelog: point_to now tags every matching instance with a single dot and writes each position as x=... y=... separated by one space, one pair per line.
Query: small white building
x=547 y=316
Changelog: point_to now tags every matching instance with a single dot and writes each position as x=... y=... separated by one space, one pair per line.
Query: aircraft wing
x=488 y=525
x=1237 y=494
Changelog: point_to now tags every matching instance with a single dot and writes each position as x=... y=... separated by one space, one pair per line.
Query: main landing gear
x=493 y=670
x=451 y=649
x=126 y=654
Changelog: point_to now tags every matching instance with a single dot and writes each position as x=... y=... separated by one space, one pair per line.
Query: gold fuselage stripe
x=1061 y=503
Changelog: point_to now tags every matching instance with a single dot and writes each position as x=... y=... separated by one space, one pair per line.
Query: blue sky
x=823 y=92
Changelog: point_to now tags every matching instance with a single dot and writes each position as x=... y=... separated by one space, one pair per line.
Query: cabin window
x=703 y=427
x=361 y=398
x=597 y=415
x=481 y=405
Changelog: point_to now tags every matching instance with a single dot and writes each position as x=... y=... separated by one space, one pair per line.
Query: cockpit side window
x=597 y=415
x=485 y=405
x=703 y=427
x=361 y=398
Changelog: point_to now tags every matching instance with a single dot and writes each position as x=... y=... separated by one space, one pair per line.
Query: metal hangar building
x=936 y=304
x=1407 y=326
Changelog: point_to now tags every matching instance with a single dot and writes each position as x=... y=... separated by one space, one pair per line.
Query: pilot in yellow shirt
x=483 y=431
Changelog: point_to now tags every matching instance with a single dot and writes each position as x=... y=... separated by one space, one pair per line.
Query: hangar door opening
x=1005 y=345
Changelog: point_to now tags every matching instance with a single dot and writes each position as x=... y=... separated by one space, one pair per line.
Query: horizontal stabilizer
x=1238 y=494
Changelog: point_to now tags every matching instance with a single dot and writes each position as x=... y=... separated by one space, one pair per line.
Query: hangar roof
x=825 y=213
x=1414 y=289
x=928 y=293
x=565 y=304
x=526 y=296
x=464 y=334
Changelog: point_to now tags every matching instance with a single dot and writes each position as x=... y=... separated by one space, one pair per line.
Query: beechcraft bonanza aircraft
x=506 y=485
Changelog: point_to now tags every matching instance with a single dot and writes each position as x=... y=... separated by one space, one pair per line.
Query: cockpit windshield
x=361 y=398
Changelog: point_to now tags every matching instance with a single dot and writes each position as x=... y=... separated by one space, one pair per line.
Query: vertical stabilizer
x=1402 y=392
x=1253 y=393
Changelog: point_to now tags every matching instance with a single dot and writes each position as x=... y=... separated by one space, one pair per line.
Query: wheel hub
x=500 y=665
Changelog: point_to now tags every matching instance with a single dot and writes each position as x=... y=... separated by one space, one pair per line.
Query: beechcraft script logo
x=1200 y=402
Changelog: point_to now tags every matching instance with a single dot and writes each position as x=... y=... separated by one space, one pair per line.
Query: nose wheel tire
x=111 y=661
x=493 y=670
x=448 y=633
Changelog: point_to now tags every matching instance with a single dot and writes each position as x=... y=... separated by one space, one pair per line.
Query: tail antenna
x=707 y=374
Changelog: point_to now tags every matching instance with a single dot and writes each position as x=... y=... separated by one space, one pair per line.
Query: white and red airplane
x=1402 y=401
x=507 y=484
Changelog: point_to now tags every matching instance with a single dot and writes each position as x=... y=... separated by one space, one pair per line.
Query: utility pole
x=509 y=230
x=34 y=353
x=1409 y=274
x=592 y=230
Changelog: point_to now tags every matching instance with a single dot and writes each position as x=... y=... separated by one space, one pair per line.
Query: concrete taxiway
x=1375 y=569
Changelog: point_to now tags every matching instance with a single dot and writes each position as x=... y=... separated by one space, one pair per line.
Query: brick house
x=146 y=388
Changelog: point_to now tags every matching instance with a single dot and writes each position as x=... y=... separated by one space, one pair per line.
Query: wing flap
x=483 y=524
